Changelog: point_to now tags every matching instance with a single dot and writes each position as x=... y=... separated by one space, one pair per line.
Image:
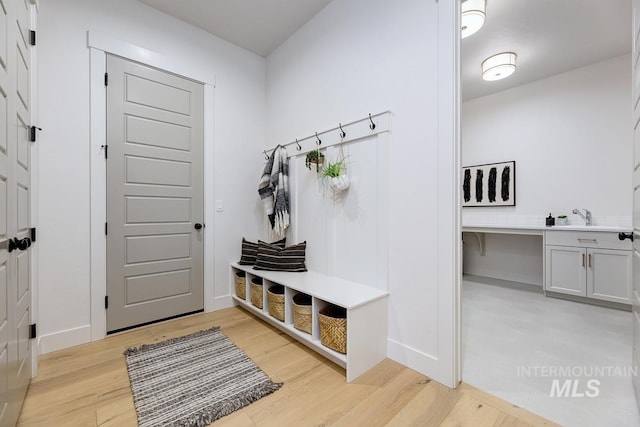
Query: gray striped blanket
x=274 y=190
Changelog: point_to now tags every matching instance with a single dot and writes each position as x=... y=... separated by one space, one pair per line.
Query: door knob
x=198 y=226
x=24 y=244
x=623 y=236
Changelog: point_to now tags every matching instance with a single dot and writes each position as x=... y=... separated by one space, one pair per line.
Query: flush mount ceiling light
x=473 y=16
x=499 y=66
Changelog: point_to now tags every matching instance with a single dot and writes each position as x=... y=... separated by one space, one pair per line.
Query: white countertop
x=609 y=228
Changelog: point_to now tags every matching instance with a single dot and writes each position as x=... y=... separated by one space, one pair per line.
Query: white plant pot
x=339 y=183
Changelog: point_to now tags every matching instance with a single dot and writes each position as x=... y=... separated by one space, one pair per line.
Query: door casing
x=101 y=44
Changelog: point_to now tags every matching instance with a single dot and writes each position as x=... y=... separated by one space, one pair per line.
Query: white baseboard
x=223 y=302
x=418 y=361
x=64 y=339
x=505 y=276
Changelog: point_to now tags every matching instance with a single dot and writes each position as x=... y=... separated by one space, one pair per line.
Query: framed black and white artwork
x=492 y=184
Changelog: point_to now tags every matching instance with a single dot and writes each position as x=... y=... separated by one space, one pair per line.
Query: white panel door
x=154 y=195
x=565 y=269
x=635 y=58
x=15 y=221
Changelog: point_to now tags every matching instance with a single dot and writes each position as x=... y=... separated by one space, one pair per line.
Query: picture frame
x=491 y=184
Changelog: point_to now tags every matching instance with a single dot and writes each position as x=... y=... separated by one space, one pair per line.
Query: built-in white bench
x=366 y=313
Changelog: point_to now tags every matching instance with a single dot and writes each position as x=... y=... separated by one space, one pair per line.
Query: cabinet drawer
x=587 y=239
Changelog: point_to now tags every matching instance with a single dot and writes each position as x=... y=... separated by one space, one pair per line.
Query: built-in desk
x=587 y=262
x=480 y=230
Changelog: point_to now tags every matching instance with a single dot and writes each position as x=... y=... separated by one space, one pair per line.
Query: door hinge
x=33 y=234
x=32 y=133
x=106 y=151
x=32 y=38
x=106 y=302
x=106 y=79
x=32 y=331
x=106 y=228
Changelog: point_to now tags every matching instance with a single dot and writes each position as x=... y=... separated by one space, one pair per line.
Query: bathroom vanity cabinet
x=588 y=264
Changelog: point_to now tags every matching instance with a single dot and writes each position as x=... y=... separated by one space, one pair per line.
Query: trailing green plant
x=314 y=157
x=561 y=216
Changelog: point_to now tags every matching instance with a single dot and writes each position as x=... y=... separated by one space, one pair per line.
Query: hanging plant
x=314 y=159
x=335 y=175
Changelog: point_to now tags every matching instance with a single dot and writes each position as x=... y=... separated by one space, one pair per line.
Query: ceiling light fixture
x=473 y=16
x=499 y=66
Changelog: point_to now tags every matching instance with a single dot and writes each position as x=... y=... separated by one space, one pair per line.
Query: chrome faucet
x=586 y=217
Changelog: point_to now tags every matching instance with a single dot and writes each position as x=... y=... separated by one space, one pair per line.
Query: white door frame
x=100 y=45
x=449 y=201
x=35 y=188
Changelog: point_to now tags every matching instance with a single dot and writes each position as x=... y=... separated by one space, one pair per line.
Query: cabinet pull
x=587 y=240
x=583 y=260
x=589 y=260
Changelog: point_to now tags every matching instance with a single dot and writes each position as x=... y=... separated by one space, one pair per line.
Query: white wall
x=362 y=56
x=346 y=232
x=63 y=227
x=512 y=257
x=571 y=138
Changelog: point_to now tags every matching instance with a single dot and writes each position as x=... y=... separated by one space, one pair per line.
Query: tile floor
x=513 y=338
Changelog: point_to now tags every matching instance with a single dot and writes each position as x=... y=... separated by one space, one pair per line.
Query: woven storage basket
x=333 y=328
x=302 y=312
x=275 y=298
x=241 y=285
x=256 y=292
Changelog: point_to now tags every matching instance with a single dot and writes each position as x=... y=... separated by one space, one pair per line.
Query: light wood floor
x=88 y=385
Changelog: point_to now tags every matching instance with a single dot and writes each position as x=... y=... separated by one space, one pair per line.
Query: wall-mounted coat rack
x=370 y=125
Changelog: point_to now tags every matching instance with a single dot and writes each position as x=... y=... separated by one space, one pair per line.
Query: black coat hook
x=266 y=156
x=342 y=132
x=299 y=148
x=319 y=141
x=372 y=126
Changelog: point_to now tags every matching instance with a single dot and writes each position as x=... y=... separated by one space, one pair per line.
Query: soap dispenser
x=550 y=220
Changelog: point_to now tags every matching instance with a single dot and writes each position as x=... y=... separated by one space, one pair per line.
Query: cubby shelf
x=366 y=313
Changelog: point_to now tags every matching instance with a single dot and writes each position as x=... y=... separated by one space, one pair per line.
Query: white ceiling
x=256 y=25
x=549 y=37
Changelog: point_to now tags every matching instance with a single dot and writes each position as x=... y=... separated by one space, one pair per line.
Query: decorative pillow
x=250 y=250
x=275 y=258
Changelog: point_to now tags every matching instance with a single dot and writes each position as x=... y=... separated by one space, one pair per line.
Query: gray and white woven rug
x=193 y=380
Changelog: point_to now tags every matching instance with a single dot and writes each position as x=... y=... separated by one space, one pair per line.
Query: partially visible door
x=154 y=194
x=635 y=73
x=15 y=188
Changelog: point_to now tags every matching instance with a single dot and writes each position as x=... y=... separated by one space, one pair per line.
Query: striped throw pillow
x=274 y=258
x=250 y=250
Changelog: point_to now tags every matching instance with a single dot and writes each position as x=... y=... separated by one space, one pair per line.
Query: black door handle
x=623 y=236
x=13 y=244
x=198 y=226
x=22 y=244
